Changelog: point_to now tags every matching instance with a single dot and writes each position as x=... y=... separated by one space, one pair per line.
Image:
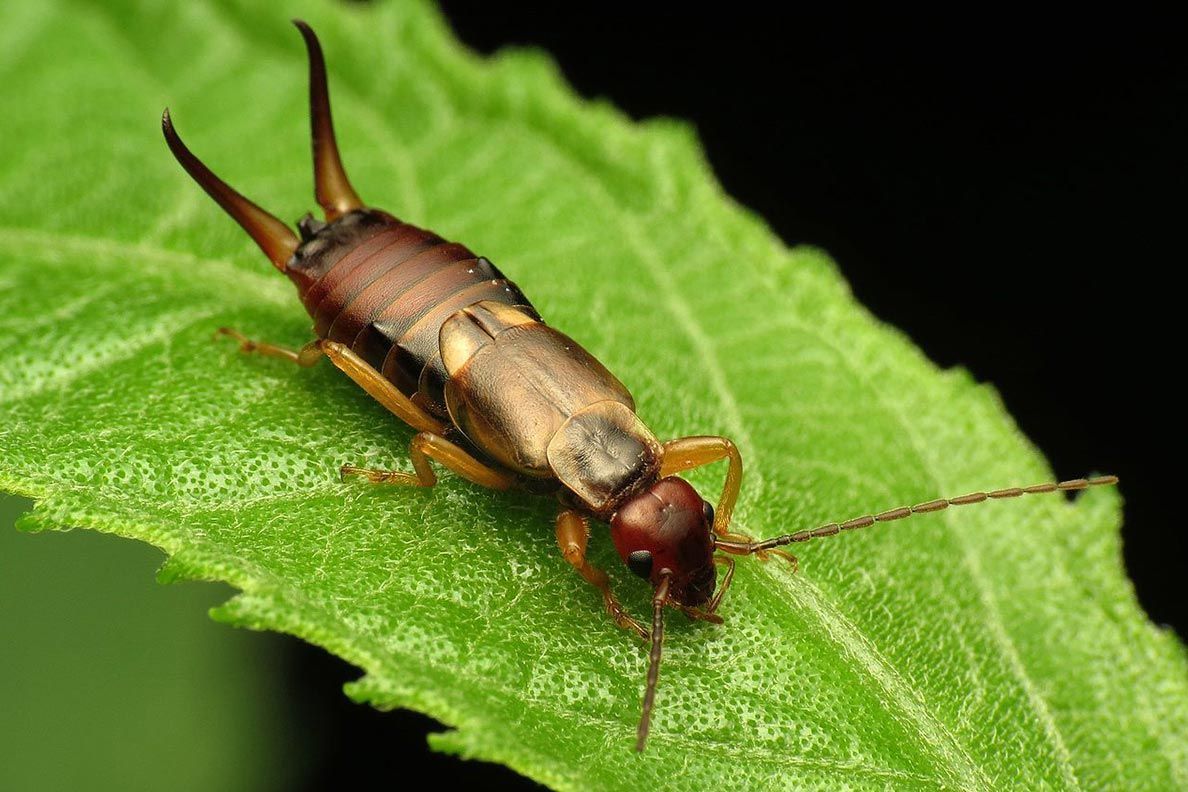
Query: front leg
x=686 y=453
x=573 y=531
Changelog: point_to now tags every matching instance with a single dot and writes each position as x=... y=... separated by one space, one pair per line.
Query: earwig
x=454 y=349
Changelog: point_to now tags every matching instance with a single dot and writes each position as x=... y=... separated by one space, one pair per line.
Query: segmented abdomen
x=384 y=288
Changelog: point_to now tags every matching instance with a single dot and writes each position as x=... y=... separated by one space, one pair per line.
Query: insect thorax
x=535 y=401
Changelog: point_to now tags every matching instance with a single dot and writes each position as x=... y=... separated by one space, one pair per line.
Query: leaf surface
x=994 y=647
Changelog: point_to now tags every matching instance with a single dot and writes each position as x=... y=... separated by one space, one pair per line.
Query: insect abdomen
x=384 y=288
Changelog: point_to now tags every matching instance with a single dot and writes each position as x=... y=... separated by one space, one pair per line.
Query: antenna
x=832 y=529
x=658 y=601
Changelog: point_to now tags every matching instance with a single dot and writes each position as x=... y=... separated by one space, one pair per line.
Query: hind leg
x=355 y=367
x=305 y=357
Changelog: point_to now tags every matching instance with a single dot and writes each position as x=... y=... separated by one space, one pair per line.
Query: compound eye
x=708 y=512
x=640 y=562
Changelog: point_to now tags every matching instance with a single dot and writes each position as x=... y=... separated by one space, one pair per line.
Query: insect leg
x=355 y=367
x=728 y=543
x=573 y=531
x=686 y=453
x=379 y=387
x=426 y=446
x=305 y=357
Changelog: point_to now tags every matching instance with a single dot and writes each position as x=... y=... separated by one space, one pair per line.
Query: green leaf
x=999 y=646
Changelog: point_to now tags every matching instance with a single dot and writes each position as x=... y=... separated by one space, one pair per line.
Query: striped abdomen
x=384 y=288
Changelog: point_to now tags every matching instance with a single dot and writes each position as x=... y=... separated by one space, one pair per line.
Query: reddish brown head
x=668 y=526
x=665 y=534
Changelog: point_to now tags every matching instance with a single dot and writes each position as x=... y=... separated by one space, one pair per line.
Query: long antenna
x=332 y=188
x=832 y=529
x=274 y=237
x=658 y=601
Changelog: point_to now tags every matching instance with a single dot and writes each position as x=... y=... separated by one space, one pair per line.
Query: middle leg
x=426 y=446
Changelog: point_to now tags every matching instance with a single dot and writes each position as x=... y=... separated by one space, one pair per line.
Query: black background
x=1007 y=190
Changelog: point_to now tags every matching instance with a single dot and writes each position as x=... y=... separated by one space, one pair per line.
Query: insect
x=454 y=349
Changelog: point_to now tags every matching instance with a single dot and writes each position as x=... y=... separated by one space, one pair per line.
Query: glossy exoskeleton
x=442 y=339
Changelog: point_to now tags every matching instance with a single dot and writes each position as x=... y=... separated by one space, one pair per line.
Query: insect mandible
x=444 y=341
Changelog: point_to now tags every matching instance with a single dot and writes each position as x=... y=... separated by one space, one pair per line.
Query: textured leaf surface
x=995 y=647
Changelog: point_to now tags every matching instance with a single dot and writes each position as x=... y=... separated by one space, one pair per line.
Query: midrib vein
x=834 y=625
